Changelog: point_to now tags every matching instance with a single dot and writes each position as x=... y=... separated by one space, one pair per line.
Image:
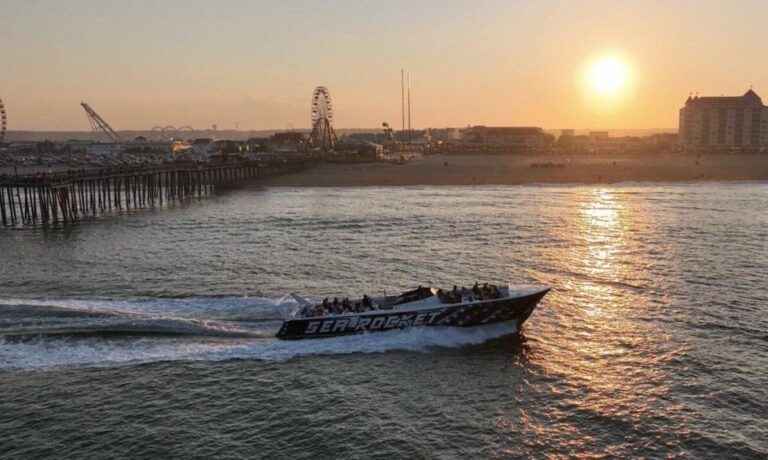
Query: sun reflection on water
x=602 y=228
x=598 y=352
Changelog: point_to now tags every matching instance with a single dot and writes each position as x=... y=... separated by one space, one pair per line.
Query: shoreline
x=545 y=169
x=513 y=169
x=628 y=183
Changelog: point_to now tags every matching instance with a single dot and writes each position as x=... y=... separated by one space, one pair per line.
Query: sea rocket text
x=372 y=323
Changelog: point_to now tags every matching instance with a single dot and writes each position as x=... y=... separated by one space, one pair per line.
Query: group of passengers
x=344 y=306
x=486 y=292
x=456 y=295
x=339 y=307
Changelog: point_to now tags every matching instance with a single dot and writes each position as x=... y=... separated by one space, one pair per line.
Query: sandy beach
x=523 y=169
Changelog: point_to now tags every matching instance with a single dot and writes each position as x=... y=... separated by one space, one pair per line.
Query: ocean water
x=150 y=333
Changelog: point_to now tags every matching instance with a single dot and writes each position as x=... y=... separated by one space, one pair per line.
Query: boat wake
x=53 y=333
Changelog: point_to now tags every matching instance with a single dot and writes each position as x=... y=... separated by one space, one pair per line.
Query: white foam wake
x=45 y=353
x=196 y=307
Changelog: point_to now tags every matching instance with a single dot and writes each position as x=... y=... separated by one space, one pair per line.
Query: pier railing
x=67 y=196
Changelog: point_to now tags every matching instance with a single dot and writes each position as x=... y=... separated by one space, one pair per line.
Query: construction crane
x=98 y=125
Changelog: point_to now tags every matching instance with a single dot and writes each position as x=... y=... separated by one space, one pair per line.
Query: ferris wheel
x=3 y=121
x=322 y=135
x=321 y=105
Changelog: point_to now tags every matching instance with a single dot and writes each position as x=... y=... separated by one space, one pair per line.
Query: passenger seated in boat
x=485 y=292
x=489 y=292
x=367 y=304
x=453 y=296
x=476 y=289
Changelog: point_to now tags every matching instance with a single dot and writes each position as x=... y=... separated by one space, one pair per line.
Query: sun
x=608 y=75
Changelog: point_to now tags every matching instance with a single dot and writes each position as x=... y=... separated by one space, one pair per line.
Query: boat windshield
x=417 y=294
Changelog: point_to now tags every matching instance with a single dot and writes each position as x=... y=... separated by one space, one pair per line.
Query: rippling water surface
x=151 y=333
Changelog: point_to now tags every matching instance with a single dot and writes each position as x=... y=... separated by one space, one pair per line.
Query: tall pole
x=402 y=97
x=409 y=107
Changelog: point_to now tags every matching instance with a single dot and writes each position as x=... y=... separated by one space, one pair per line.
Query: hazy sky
x=147 y=63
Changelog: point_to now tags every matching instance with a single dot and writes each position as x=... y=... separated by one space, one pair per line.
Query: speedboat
x=420 y=307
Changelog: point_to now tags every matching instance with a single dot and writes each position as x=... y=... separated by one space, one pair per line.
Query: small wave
x=729 y=327
x=589 y=278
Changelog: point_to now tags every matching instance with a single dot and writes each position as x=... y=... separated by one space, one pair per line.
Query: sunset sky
x=147 y=63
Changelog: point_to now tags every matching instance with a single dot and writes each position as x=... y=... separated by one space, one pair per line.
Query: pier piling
x=66 y=197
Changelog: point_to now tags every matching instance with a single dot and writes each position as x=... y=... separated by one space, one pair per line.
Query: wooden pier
x=66 y=197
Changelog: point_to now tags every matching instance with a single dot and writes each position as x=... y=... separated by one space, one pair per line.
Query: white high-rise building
x=740 y=121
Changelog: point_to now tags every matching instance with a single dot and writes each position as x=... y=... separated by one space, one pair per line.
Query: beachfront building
x=287 y=141
x=504 y=136
x=716 y=122
x=202 y=146
x=445 y=134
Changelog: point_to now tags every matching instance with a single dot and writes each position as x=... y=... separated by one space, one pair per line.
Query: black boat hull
x=458 y=315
